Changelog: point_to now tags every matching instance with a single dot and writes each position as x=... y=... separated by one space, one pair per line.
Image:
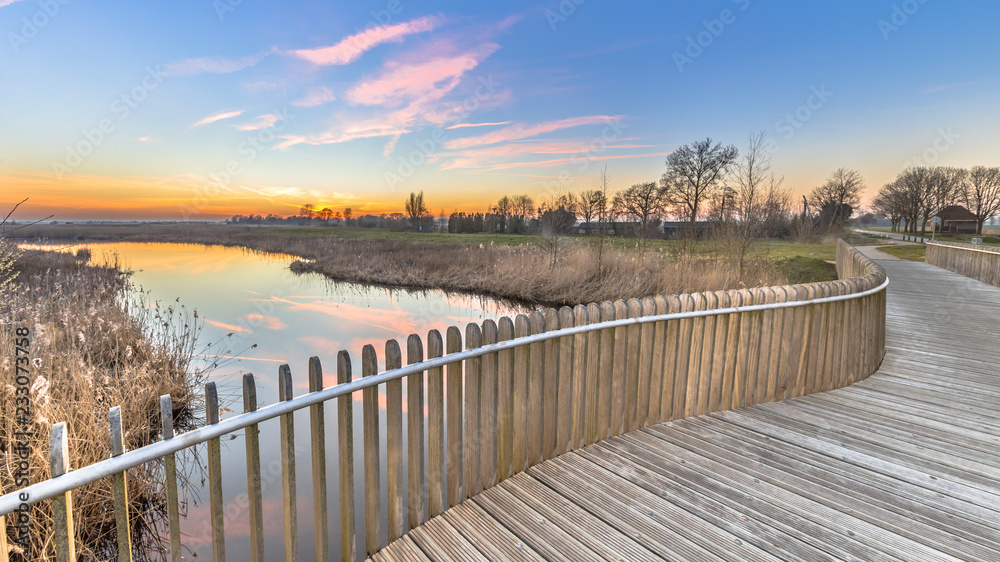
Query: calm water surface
x=247 y=299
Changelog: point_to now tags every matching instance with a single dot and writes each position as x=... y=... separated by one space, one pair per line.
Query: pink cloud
x=268 y=322
x=521 y=131
x=315 y=97
x=351 y=48
x=212 y=65
x=262 y=122
x=218 y=116
x=229 y=327
x=464 y=125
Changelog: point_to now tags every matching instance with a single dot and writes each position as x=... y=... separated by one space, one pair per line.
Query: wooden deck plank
x=494 y=540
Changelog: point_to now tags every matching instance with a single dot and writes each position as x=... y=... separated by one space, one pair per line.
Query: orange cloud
x=351 y=48
x=229 y=327
x=267 y=322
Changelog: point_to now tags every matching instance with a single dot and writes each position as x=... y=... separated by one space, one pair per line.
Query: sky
x=202 y=110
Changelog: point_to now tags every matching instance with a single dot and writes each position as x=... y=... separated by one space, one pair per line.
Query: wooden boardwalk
x=903 y=465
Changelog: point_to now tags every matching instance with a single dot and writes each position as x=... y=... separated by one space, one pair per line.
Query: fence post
x=395 y=510
x=536 y=386
x=317 y=422
x=170 y=473
x=215 y=476
x=456 y=467
x=550 y=388
x=120 y=486
x=505 y=402
x=564 y=413
x=345 y=445
x=488 y=409
x=437 y=499
x=254 y=495
x=519 y=427
x=62 y=505
x=579 y=399
x=473 y=383
x=373 y=481
x=417 y=487
x=287 y=424
x=593 y=371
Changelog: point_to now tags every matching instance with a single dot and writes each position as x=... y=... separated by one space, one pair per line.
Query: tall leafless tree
x=838 y=196
x=757 y=197
x=416 y=209
x=693 y=174
x=643 y=203
x=981 y=194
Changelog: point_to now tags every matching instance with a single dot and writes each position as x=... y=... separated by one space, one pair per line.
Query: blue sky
x=210 y=109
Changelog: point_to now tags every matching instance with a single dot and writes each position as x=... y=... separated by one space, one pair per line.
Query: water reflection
x=267 y=315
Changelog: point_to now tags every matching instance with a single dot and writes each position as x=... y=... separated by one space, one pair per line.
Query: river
x=247 y=299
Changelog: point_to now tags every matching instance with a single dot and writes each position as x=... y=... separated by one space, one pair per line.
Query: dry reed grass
x=93 y=346
x=525 y=274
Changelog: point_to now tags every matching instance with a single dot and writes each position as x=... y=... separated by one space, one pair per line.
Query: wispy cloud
x=262 y=122
x=351 y=48
x=558 y=161
x=406 y=93
x=464 y=125
x=219 y=116
x=491 y=155
x=944 y=87
x=7 y=2
x=315 y=97
x=521 y=131
x=213 y=65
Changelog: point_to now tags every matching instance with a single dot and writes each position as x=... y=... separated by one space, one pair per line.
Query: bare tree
x=645 y=204
x=503 y=210
x=837 y=198
x=522 y=208
x=325 y=213
x=757 y=196
x=694 y=173
x=416 y=209
x=557 y=218
x=604 y=217
x=307 y=210
x=981 y=194
x=590 y=202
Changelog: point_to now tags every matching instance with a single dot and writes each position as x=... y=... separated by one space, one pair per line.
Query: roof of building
x=956 y=213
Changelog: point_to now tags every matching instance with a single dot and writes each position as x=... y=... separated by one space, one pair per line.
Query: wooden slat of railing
x=473 y=403
x=215 y=476
x=593 y=376
x=456 y=467
x=606 y=384
x=550 y=388
x=633 y=309
x=519 y=426
x=670 y=360
x=732 y=352
x=718 y=354
x=645 y=364
x=564 y=414
x=488 y=427
x=395 y=507
x=776 y=351
x=417 y=477
x=619 y=380
x=505 y=402
x=373 y=481
x=345 y=446
x=317 y=433
x=254 y=496
x=785 y=343
x=767 y=325
x=701 y=399
x=579 y=399
x=170 y=474
x=814 y=372
x=64 y=535
x=681 y=368
x=827 y=340
x=657 y=365
x=536 y=382
x=286 y=425
x=808 y=350
x=696 y=329
x=437 y=493
x=757 y=296
x=119 y=485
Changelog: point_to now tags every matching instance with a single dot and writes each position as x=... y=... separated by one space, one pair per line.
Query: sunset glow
x=206 y=110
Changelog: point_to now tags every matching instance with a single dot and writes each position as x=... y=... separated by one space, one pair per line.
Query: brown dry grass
x=525 y=273
x=92 y=347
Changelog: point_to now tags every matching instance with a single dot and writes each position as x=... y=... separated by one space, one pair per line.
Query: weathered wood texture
x=901 y=465
x=981 y=263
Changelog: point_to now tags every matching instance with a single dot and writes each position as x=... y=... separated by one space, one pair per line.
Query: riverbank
x=525 y=269
x=80 y=344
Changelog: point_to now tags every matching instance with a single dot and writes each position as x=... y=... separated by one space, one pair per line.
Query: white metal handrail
x=94 y=472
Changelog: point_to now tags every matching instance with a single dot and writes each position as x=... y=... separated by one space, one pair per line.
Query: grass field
x=988 y=240
x=911 y=252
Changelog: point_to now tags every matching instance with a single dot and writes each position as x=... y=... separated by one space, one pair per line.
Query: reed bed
x=528 y=274
x=94 y=345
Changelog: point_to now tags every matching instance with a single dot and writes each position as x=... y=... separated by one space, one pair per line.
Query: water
x=290 y=318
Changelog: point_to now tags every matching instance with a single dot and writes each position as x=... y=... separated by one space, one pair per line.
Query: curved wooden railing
x=981 y=263
x=523 y=390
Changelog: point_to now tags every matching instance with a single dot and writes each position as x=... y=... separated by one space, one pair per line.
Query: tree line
x=921 y=192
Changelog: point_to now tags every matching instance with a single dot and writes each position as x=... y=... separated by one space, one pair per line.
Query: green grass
x=800 y=269
x=911 y=252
